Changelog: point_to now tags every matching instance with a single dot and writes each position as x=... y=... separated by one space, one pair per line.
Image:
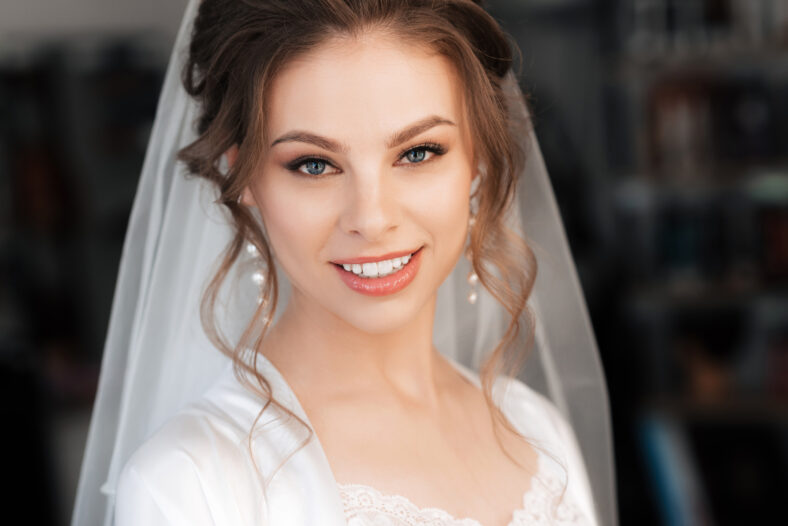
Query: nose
x=370 y=209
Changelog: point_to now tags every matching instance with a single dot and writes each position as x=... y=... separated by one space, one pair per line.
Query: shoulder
x=183 y=443
x=533 y=411
x=533 y=414
x=543 y=423
x=196 y=469
x=215 y=426
x=162 y=476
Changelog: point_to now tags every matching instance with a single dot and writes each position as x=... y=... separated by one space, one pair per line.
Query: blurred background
x=664 y=125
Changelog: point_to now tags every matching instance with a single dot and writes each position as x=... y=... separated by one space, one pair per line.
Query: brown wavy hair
x=238 y=46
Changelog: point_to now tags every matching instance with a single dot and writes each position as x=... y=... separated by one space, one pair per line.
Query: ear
x=247 y=199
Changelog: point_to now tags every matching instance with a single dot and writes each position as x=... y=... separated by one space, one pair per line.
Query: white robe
x=197 y=470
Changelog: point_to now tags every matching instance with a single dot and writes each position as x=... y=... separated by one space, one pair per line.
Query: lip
x=387 y=284
x=375 y=259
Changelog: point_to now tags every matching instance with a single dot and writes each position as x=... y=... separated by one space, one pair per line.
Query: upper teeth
x=377 y=269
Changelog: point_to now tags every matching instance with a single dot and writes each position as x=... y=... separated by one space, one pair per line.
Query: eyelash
x=431 y=147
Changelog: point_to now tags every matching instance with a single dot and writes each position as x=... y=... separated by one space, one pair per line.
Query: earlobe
x=231 y=154
x=246 y=197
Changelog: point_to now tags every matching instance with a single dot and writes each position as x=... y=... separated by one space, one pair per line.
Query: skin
x=388 y=410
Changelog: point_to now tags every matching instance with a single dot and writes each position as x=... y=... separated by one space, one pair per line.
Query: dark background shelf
x=664 y=124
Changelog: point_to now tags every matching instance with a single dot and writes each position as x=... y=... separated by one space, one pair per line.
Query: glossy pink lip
x=386 y=285
x=374 y=259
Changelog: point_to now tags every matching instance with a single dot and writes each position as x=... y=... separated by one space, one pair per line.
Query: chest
x=451 y=463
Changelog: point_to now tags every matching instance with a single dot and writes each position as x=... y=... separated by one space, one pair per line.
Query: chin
x=380 y=319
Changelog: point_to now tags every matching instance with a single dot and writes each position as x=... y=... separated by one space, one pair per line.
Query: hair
x=238 y=46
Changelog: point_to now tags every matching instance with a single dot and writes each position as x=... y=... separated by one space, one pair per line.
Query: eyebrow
x=394 y=140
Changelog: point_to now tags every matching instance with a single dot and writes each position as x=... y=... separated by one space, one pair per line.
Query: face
x=369 y=156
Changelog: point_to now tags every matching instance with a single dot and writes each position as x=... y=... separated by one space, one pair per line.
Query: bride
x=361 y=156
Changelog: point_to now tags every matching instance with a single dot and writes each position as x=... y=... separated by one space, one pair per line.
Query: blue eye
x=422 y=153
x=416 y=155
x=315 y=166
x=311 y=166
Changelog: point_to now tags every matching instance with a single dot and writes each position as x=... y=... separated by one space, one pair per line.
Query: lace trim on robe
x=366 y=506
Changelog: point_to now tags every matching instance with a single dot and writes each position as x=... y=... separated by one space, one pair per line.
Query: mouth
x=377 y=267
x=378 y=278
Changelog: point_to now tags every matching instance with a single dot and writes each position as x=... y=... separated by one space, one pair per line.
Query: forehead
x=360 y=87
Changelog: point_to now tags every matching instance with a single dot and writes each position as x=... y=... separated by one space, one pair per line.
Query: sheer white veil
x=157 y=357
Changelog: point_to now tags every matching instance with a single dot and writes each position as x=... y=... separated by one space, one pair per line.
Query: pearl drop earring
x=473 y=278
x=258 y=276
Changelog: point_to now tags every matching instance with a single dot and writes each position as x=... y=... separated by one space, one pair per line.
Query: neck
x=324 y=354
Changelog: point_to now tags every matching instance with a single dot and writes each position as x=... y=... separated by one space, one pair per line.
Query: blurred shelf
x=83 y=51
x=662 y=60
x=756 y=182
x=743 y=410
x=700 y=294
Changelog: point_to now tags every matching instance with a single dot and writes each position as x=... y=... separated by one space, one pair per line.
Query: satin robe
x=197 y=469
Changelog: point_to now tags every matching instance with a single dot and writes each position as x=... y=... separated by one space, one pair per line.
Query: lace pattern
x=366 y=506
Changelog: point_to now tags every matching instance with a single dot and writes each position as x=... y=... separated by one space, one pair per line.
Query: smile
x=379 y=278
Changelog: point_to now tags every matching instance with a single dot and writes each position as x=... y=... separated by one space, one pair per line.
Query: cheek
x=443 y=207
x=294 y=220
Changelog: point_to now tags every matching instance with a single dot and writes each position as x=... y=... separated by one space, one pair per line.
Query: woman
x=361 y=149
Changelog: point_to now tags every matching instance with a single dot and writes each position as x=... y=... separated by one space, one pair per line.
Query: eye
x=416 y=155
x=312 y=166
x=315 y=166
x=422 y=153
